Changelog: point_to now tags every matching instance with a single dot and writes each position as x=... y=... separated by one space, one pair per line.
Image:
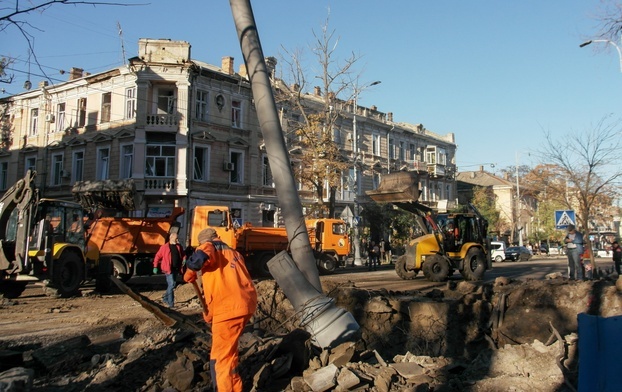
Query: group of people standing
x=378 y=253
x=579 y=265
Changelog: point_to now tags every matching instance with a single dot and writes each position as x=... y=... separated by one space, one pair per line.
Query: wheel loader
x=447 y=242
x=43 y=240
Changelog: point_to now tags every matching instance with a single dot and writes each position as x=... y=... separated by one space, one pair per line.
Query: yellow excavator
x=43 y=240
x=448 y=242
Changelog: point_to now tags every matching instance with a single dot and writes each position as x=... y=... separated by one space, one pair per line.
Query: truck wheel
x=402 y=272
x=119 y=270
x=68 y=274
x=474 y=264
x=104 y=271
x=261 y=268
x=436 y=268
x=326 y=263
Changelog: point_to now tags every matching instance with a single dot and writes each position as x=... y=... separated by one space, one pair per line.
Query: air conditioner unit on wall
x=49 y=117
x=228 y=166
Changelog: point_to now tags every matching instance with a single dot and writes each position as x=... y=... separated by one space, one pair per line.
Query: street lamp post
x=355 y=151
x=586 y=43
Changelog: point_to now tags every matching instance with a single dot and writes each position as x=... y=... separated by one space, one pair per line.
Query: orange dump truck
x=131 y=243
x=328 y=237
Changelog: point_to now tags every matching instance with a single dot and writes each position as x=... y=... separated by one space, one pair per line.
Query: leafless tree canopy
x=321 y=162
x=589 y=163
x=16 y=16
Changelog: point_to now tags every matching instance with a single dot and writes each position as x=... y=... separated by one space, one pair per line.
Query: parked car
x=544 y=249
x=497 y=251
x=517 y=253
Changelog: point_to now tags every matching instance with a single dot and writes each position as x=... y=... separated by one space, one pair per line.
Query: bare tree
x=610 y=20
x=16 y=17
x=321 y=163
x=587 y=166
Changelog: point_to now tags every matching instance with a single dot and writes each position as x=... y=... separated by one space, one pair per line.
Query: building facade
x=186 y=133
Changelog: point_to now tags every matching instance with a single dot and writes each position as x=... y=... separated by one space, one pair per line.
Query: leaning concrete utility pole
x=287 y=193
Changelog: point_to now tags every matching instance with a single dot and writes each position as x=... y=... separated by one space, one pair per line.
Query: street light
x=355 y=151
x=586 y=43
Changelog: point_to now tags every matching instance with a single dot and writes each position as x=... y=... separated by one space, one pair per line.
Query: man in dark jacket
x=617 y=256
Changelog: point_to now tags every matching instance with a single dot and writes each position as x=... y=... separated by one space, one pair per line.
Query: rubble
x=475 y=337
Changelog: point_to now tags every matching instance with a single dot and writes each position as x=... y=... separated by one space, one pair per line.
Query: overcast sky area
x=497 y=74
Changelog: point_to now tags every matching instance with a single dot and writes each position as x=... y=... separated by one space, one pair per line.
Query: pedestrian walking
x=382 y=251
x=374 y=254
x=574 y=249
x=231 y=301
x=617 y=256
x=169 y=260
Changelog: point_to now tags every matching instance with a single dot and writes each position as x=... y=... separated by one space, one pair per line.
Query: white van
x=497 y=251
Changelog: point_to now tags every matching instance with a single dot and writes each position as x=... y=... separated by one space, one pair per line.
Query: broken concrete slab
x=322 y=379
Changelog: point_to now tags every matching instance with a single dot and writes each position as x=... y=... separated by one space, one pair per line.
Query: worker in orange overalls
x=231 y=301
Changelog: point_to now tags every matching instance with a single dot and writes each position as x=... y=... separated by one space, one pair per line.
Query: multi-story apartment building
x=186 y=133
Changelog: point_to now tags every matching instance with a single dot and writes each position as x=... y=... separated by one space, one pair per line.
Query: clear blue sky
x=498 y=74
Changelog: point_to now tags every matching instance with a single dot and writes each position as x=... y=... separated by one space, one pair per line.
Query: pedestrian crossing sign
x=564 y=218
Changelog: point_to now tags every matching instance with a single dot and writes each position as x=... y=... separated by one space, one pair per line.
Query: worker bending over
x=231 y=301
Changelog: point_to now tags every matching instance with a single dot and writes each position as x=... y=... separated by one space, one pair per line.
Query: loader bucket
x=396 y=187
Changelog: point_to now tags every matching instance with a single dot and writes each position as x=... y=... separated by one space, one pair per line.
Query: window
x=391 y=149
x=30 y=164
x=106 y=106
x=236 y=176
x=60 y=117
x=4 y=168
x=412 y=151
x=34 y=121
x=430 y=155
x=436 y=155
x=130 y=103
x=337 y=136
x=375 y=144
x=160 y=160
x=166 y=100
x=57 y=169
x=81 y=112
x=236 y=114
x=77 y=166
x=103 y=163
x=201 y=105
x=201 y=155
x=127 y=159
x=402 y=151
x=266 y=173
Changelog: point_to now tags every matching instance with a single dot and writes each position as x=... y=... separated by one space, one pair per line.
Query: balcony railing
x=168 y=120
x=415 y=165
x=159 y=184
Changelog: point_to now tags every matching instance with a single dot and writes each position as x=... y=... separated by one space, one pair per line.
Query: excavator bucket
x=118 y=194
x=398 y=187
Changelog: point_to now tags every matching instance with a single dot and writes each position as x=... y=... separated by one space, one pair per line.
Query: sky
x=499 y=74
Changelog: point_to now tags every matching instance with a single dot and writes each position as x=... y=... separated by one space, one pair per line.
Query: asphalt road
x=386 y=278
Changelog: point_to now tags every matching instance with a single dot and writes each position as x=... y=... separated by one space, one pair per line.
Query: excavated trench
x=465 y=336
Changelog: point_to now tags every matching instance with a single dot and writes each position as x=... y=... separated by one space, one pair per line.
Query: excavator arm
x=16 y=210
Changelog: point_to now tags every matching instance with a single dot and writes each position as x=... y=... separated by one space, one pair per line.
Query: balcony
x=436 y=170
x=414 y=165
x=159 y=184
x=163 y=120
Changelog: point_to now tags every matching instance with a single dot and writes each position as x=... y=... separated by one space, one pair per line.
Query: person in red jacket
x=169 y=259
x=231 y=302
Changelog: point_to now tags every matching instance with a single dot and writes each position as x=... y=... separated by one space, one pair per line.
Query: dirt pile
x=476 y=337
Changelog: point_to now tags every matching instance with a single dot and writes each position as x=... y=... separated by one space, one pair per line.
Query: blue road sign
x=563 y=218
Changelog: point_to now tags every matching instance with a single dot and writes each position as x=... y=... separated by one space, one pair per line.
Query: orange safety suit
x=231 y=301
